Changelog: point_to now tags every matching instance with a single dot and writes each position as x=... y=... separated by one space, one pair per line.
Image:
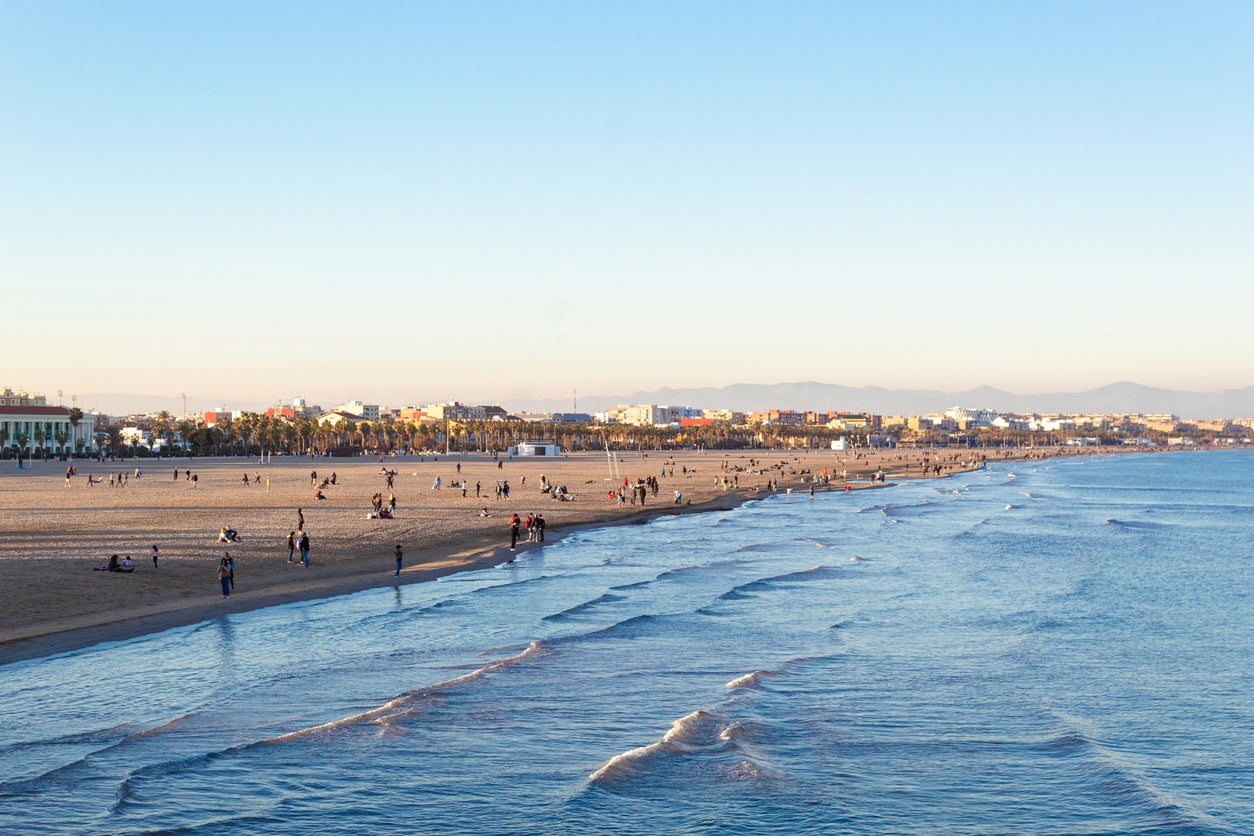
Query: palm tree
x=76 y=416
x=303 y=428
x=242 y=431
x=161 y=427
x=186 y=427
x=388 y=431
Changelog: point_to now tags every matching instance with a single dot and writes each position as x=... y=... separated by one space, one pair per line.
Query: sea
x=1057 y=646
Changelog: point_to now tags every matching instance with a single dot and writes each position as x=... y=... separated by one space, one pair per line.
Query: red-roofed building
x=29 y=426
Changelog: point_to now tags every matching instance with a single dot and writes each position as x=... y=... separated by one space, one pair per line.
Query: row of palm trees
x=255 y=433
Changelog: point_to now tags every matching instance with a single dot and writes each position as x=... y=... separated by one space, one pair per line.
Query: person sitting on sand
x=319 y=495
x=127 y=565
x=113 y=563
x=484 y=512
x=228 y=535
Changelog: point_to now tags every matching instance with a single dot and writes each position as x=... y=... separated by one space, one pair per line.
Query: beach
x=57 y=532
x=1039 y=646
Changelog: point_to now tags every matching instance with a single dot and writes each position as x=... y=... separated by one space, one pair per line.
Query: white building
x=971 y=417
x=29 y=425
x=648 y=415
x=364 y=411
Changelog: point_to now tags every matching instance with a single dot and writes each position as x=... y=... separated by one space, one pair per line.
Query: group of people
x=119 y=480
x=558 y=493
x=380 y=512
x=532 y=527
x=124 y=563
x=298 y=540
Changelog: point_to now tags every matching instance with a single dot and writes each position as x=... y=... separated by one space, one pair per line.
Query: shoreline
x=483 y=556
x=456 y=547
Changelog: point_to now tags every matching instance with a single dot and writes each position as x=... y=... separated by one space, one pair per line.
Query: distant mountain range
x=823 y=397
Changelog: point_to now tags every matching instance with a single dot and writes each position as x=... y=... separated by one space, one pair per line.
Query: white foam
x=683 y=736
x=749 y=680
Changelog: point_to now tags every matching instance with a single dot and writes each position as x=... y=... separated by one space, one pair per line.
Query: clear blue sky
x=412 y=201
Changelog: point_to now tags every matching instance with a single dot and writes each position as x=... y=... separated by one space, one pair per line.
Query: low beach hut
x=535 y=448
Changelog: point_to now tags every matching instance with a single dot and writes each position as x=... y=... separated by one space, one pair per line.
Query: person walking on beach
x=539 y=527
x=291 y=546
x=303 y=545
x=300 y=520
x=224 y=578
x=230 y=565
x=155 y=554
x=399 y=555
x=514 y=524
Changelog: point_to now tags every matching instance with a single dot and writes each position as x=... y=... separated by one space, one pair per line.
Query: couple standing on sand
x=295 y=542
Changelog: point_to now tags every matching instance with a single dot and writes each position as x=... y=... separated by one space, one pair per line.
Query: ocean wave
x=512 y=585
x=685 y=735
x=1134 y=524
x=915 y=510
x=679 y=573
x=704 y=735
x=745 y=590
x=109 y=735
x=607 y=598
x=627 y=628
x=127 y=788
x=751 y=680
x=1121 y=779
x=402 y=703
x=114 y=738
x=973 y=530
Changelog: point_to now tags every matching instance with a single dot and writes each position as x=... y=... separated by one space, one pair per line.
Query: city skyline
x=510 y=202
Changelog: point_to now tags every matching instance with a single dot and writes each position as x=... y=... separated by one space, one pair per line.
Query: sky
x=484 y=201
